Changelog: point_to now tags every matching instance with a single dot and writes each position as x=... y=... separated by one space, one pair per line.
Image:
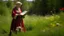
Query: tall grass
x=36 y=25
x=52 y=25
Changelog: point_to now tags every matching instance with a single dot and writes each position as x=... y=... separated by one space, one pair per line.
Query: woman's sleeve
x=13 y=13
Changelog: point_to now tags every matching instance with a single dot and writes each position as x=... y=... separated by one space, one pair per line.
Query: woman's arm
x=14 y=14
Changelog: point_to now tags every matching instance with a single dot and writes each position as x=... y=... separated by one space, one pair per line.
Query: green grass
x=52 y=25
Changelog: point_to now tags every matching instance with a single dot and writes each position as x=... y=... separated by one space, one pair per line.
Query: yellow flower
x=53 y=25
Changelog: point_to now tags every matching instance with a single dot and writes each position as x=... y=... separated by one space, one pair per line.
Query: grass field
x=50 y=25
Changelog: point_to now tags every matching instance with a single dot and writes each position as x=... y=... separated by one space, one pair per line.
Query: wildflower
x=53 y=25
x=57 y=24
x=62 y=9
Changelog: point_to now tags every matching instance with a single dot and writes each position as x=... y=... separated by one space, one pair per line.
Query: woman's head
x=18 y=4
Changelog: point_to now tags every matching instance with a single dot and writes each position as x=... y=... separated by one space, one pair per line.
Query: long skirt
x=16 y=23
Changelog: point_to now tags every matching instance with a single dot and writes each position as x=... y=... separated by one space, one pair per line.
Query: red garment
x=16 y=22
x=62 y=9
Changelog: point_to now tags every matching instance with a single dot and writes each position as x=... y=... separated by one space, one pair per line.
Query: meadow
x=49 y=25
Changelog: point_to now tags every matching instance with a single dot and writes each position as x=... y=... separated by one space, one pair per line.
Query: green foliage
x=35 y=26
x=9 y=4
x=43 y=7
x=26 y=5
x=3 y=9
x=51 y=25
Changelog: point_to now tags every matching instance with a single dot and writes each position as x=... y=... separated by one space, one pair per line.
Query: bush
x=4 y=10
x=9 y=4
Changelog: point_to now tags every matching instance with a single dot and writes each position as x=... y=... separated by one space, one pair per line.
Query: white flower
x=57 y=24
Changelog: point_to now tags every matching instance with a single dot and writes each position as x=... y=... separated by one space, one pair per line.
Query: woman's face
x=18 y=5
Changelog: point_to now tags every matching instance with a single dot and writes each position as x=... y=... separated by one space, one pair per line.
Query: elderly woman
x=17 y=20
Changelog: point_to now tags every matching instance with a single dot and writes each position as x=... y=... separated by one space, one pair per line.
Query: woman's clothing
x=17 y=20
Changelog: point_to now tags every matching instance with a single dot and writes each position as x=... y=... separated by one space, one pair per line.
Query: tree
x=42 y=7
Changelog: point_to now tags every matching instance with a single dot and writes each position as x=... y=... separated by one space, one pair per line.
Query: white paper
x=23 y=13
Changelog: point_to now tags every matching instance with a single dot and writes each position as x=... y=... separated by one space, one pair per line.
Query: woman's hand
x=15 y=16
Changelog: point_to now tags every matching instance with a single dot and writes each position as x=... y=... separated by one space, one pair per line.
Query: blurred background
x=44 y=17
x=38 y=7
